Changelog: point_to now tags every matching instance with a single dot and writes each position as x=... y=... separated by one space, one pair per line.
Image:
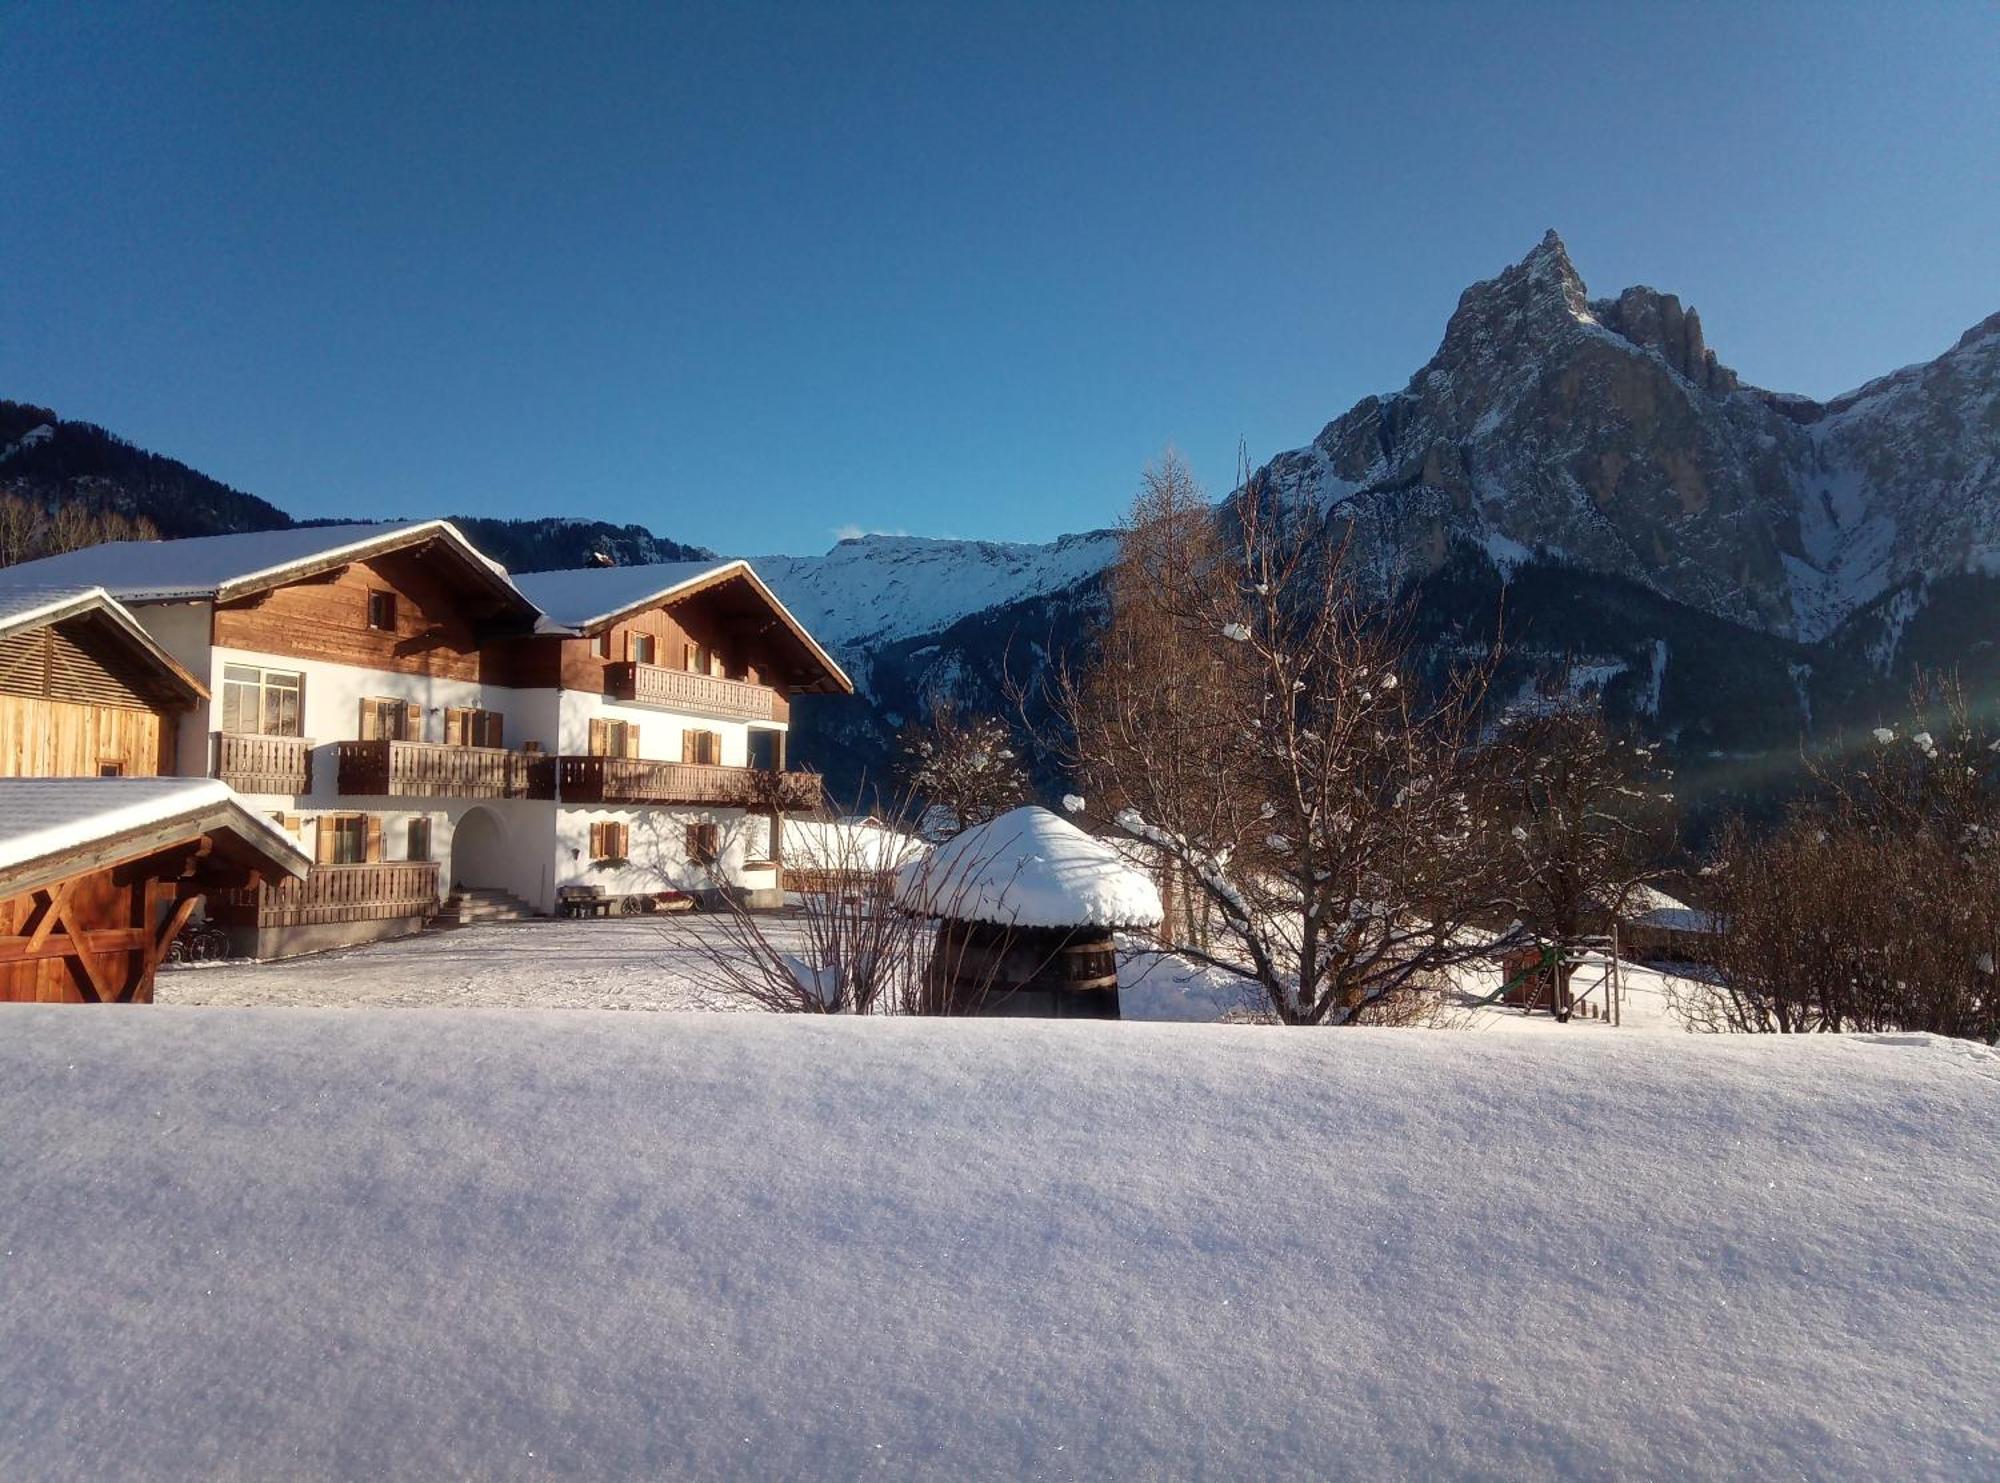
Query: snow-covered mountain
x=878 y=590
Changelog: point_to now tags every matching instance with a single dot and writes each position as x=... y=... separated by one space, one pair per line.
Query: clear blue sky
x=751 y=275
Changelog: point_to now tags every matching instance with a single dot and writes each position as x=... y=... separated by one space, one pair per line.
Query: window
x=382 y=611
x=343 y=839
x=111 y=769
x=644 y=647
x=465 y=726
x=418 y=846
x=601 y=645
x=262 y=702
x=704 y=747
x=383 y=719
x=613 y=738
x=704 y=843
x=766 y=749
x=609 y=841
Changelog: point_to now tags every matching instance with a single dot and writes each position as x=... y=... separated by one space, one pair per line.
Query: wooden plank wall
x=327 y=619
x=672 y=629
x=62 y=739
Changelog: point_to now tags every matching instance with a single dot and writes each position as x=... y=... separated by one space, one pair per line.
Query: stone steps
x=474 y=904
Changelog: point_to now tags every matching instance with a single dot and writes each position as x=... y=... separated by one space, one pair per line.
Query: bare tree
x=850 y=946
x=1582 y=819
x=962 y=766
x=1323 y=800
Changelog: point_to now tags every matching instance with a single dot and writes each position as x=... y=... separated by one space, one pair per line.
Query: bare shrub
x=1876 y=904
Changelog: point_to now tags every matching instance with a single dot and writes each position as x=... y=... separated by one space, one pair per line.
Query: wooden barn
x=98 y=875
x=85 y=692
x=1027 y=906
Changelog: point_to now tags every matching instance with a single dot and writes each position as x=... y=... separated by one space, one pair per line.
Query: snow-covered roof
x=217 y=566
x=847 y=844
x=26 y=607
x=1029 y=868
x=590 y=597
x=46 y=822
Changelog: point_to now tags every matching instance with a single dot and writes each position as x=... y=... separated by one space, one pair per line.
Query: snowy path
x=500 y=1245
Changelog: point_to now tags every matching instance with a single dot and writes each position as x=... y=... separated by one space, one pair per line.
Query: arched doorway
x=479 y=855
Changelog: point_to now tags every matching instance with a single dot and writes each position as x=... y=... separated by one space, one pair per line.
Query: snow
x=426 y=1244
x=1030 y=868
x=41 y=817
x=589 y=595
x=847 y=844
x=199 y=566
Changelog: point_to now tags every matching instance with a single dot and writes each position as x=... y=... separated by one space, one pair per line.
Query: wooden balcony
x=637 y=780
x=403 y=769
x=332 y=893
x=264 y=764
x=693 y=694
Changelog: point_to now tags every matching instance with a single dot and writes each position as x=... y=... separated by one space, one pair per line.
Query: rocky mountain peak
x=1538 y=298
x=1656 y=321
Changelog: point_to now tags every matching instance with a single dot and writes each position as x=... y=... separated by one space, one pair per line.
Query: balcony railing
x=405 y=769
x=264 y=764
x=332 y=893
x=637 y=780
x=682 y=690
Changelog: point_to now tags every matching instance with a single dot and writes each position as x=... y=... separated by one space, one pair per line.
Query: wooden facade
x=91 y=923
x=1024 y=972
x=80 y=696
x=439 y=622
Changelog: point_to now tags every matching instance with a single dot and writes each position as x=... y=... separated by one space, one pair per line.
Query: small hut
x=98 y=875
x=1026 y=906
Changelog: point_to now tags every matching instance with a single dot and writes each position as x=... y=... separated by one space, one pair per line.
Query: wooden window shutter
x=323 y=839
x=496 y=727
x=597 y=841
x=366 y=726
x=413 y=721
x=598 y=729
x=373 y=853
x=454 y=726
x=293 y=824
x=631 y=738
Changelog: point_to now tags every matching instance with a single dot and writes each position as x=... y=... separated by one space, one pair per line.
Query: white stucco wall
x=659 y=731
x=657 y=857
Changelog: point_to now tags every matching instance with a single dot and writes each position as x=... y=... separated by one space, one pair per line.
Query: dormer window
x=382 y=611
x=643 y=648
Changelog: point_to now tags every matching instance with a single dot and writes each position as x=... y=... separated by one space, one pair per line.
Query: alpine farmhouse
x=418 y=722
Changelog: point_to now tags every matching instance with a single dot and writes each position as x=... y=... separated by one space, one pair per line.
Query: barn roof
x=25 y=608
x=56 y=827
x=1029 y=868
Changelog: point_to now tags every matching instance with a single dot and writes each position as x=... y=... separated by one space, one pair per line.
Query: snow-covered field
x=603 y=963
x=606 y=963
x=473 y=1244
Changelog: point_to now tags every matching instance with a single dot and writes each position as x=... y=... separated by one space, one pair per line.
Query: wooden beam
x=54 y=907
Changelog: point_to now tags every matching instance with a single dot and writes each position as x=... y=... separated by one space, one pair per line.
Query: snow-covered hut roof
x=54 y=827
x=1029 y=868
x=589 y=598
x=30 y=607
x=224 y=566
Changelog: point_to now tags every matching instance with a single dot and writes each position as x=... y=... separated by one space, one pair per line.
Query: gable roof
x=221 y=567
x=590 y=598
x=27 y=608
x=56 y=827
x=1029 y=868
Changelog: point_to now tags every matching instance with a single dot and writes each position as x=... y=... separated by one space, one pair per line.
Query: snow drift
x=428 y=1244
